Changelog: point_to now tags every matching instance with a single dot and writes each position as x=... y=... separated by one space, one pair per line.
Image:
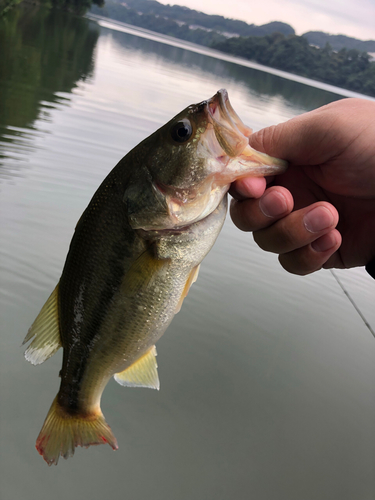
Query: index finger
x=248 y=187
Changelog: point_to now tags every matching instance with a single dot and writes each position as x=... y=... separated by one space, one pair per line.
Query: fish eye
x=181 y=131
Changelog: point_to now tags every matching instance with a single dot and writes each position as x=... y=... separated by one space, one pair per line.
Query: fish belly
x=142 y=307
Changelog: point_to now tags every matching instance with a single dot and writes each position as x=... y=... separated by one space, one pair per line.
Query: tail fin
x=61 y=433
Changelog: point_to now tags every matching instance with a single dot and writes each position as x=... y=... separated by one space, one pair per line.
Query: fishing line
x=353 y=303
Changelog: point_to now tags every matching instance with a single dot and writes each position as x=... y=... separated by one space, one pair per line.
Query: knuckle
x=241 y=217
x=278 y=238
x=265 y=138
x=287 y=238
x=260 y=238
x=246 y=215
x=301 y=262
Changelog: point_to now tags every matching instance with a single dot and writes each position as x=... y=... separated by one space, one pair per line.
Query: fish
x=135 y=252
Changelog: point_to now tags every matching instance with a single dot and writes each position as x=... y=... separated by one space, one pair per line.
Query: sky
x=354 y=18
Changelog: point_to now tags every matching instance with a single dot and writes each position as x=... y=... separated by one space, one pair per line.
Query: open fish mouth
x=231 y=133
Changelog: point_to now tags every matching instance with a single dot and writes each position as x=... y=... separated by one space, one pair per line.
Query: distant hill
x=190 y=17
x=338 y=42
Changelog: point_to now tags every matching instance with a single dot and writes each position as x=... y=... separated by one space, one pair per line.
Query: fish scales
x=135 y=252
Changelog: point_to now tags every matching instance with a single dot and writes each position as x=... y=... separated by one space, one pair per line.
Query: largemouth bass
x=134 y=254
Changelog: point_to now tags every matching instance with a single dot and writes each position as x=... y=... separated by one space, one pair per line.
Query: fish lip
x=218 y=101
x=231 y=133
x=227 y=113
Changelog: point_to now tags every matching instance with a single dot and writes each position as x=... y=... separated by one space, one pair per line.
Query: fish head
x=183 y=170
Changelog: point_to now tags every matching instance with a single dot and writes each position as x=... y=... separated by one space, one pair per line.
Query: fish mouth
x=232 y=136
x=231 y=133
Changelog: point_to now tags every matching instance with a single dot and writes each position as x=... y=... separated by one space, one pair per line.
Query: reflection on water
x=267 y=379
x=261 y=85
x=43 y=52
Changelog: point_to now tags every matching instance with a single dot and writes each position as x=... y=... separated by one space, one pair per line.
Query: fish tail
x=62 y=432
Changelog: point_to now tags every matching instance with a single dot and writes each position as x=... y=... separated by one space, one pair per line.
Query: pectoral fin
x=193 y=276
x=45 y=331
x=142 y=373
x=142 y=273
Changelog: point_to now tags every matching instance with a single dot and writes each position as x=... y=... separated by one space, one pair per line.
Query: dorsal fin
x=45 y=331
x=142 y=373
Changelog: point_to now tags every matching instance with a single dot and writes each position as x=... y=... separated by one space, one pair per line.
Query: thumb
x=309 y=139
x=295 y=141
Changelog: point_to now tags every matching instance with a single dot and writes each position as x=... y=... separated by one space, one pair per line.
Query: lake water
x=267 y=379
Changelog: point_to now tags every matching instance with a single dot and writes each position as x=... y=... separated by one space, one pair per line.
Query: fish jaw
x=251 y=163
x=233 y=136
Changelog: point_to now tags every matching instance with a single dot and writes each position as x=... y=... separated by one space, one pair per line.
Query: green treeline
x=338 y=42
x=183 y=23
x=350 y=69
x=217 y=23
x=5 y=5
x=75 y=6
x=165 y=26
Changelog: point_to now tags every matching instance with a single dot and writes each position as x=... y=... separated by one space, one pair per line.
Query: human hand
x=321 y=211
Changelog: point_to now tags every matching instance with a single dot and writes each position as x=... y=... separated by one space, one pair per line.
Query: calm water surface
x=267 y=379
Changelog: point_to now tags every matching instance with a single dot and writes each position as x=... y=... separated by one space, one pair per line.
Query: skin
x=321 y=212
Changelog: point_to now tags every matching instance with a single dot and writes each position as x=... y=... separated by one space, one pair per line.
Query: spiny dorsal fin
x=45 y=331
x=142 y=373
x=193 y=276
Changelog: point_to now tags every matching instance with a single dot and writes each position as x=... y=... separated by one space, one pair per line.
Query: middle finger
x=298 y=229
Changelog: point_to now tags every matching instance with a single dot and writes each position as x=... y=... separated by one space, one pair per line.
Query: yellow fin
x=193 y=276
x=45 y=332
x=142 y=373
x=62 y=432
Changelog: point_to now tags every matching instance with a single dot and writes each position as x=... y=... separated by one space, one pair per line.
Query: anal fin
x=45 y=332
x=142 y=373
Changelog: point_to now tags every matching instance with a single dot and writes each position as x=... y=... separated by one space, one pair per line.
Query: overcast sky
x=348 y=17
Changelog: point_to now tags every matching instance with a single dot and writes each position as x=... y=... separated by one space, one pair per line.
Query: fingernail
x=273 y=204
x=318 y=219
x=324 y=243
